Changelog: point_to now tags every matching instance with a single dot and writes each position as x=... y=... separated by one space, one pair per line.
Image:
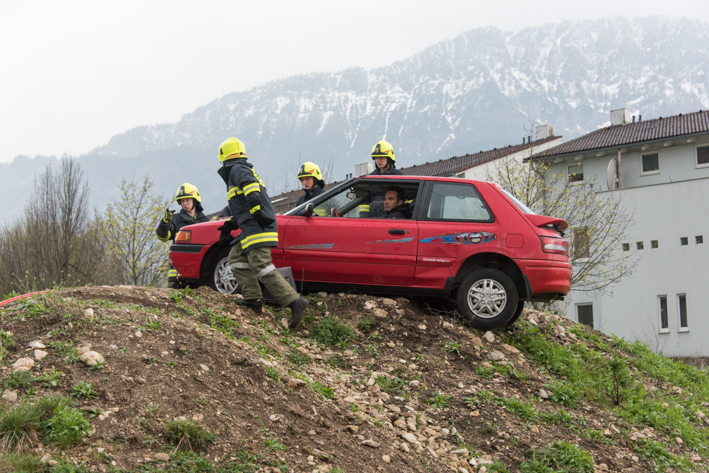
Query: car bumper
x=187 y=259
x=547 y=277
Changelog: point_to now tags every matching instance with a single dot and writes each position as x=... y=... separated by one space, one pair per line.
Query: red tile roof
x=633 y=133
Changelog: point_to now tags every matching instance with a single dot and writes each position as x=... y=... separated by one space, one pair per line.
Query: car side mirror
x=309 y=209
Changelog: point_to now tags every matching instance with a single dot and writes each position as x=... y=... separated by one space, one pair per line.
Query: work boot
x=254 y=304
x=297 y=307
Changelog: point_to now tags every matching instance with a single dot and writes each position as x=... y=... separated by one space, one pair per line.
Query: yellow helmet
x=309 y=169
x=383 y=150
x=187 y=191
x=230 y=149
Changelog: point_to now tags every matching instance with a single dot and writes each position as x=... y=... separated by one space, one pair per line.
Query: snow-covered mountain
x=477 y=91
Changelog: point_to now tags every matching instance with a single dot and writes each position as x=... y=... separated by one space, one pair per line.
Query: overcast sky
x=75 y=73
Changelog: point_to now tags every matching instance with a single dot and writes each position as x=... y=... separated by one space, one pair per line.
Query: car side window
x=450 y=201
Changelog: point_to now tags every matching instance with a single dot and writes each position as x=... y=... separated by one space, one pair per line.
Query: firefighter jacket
x=246 y=194
x=167 y=231
x=309 y=194
x=365 y=207
x=401 y=211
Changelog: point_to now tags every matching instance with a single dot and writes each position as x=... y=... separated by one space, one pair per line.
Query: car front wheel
x=220 y=277
x=487 y=298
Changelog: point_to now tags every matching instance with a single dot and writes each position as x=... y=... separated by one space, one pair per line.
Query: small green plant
x=332 y=332
x=489 y=428
x=82 y=388
x=19 y=427
x=65 y=350
x=20 y=462
x=50 y=378
x=523 y=410
x=365 y=324
x=558 y=456
x=98 y=366
x=565 y=394
x=390 y=384
x=188 y=435
x=559 y=417
x=151 y=324
x=485 y=372
x=152 y=360
x=151 y=409
x=272 y=373
x=439 y=400
x=420 y=357
x=452 y=347
x=176 y=297
x=298 y=358
x=19 y=380
x=201 y=401
x=7 y=340
x=273 y=444
x=336 y=360
x=324 y=391
x=66 y=427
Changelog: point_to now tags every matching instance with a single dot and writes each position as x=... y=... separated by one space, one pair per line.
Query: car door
x=350 y=249
x=454 y=223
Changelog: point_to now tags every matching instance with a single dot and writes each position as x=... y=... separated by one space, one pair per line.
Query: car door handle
x=396 y=231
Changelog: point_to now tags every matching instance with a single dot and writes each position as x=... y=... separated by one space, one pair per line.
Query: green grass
x=390 y=384
x=336 y=361
x=19 y=428
x=21 y=463
x=272 y=373
x=439 y=400
x=187 y=435
x=332 y=332
x=298 y=358
x=324 y=391
x=659 y=459
x=19 y=380
x=558 y=457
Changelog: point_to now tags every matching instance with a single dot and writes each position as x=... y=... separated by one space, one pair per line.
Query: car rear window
x=457 y=202
x=517 y=202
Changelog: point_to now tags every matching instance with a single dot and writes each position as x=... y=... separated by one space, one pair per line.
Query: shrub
x=332 y=332
x=188 y=435
x=66 y=427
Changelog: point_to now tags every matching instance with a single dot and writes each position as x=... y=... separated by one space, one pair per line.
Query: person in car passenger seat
x=394 y=203
x=313 y=183
x=253 y=213
x=384 y=158
x=188 y=197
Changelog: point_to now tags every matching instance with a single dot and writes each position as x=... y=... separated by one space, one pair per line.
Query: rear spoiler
x=543 y=221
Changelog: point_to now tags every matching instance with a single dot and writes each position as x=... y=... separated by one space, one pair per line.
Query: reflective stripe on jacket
x=246 y=194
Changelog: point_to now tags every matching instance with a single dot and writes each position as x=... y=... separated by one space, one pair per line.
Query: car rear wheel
x=487 y=298
x=220 y=277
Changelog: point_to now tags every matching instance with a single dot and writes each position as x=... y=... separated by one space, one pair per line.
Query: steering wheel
x=333 y=212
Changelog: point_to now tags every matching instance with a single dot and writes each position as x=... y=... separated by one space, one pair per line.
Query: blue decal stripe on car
x=466 y=238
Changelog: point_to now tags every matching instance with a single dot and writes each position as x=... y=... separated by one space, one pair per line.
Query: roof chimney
x=620 y=117
x=544 y=132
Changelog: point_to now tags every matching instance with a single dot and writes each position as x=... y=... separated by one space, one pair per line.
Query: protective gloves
x=262 y=220
x=225 y=231
x=168 y=215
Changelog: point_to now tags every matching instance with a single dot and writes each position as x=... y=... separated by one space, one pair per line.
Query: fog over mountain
x=474 y=92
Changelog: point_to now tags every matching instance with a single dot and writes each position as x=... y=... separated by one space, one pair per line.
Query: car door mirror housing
x=309 y=209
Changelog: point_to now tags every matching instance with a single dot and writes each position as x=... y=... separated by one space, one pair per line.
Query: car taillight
x=555 y=245
x=183 y=236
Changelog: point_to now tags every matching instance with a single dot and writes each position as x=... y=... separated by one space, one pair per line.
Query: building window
x=581 y=244
x=626 y=246
x=684 y=241
x=640 y=245
x=650 y=163
x=664 y=318
x=584 y=313
x=699 y=239
x=702 y=156
x=575 y=172
x=682 y=310
x=654 y=244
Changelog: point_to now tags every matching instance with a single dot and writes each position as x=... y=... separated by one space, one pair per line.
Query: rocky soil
x=413 y=391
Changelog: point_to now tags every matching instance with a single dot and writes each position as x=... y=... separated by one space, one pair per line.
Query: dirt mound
x=391 y=386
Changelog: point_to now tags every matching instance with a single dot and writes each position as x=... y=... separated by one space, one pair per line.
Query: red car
x=466 y=239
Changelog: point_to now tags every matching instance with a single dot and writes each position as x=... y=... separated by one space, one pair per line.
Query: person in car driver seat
x=394 y=203
x=384 y=158
x=313 y=184
x=188 y=197
x=250 y=257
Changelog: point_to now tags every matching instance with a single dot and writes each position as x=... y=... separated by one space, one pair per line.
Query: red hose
x=23 y=296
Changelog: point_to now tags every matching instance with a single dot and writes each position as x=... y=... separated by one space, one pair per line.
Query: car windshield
x=517 y=202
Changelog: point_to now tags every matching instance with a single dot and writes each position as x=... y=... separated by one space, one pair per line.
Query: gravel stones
x=370 y=443
x=10 y=396
x=39 y=354
x=489 y=337
x=496 y=356
x=163 y=457
x=34 y=344
x=23 y=364
x=92 y=358
x=296 y=383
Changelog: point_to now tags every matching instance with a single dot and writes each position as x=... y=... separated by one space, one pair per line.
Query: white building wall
x=479 y=173
x=667 y=206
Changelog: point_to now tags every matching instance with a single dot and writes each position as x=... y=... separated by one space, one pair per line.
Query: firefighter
x=385 y=160
x=190 y=201
x=313 y=183
x=252 y=212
